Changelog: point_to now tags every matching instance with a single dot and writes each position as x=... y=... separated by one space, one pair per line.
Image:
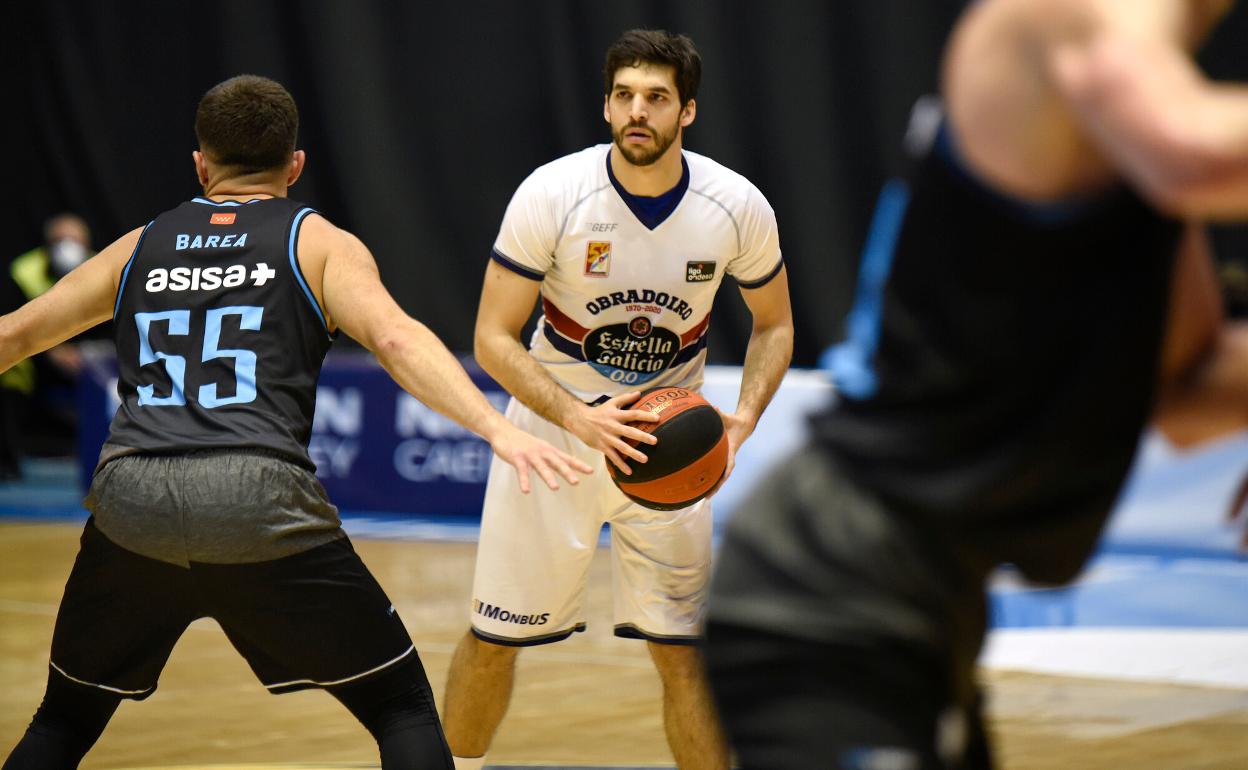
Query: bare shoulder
x=1000 y=47
x=318 y=234
x=1011 y=124
x=321 y=239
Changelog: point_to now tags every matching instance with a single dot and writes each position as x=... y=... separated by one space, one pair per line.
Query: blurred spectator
x=24 y=388
x=1230 y=247
x=1234 y=276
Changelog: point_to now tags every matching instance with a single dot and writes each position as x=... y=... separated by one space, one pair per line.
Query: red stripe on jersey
x=575 y=332
x=697 y=331
x=562 y=323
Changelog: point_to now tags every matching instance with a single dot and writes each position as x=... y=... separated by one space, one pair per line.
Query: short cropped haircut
x=655 y=46
x=248 y=122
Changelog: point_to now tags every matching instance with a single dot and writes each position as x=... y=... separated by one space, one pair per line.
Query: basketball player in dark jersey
x=204 y=502
x=1034 y=290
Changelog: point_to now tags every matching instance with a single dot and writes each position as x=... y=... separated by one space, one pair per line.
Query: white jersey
x=625 y=306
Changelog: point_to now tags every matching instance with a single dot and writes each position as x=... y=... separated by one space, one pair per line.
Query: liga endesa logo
x=506 y=616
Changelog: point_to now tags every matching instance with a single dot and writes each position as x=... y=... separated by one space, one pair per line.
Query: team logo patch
x=598 y=258
x=697 y=272
x=222 y=218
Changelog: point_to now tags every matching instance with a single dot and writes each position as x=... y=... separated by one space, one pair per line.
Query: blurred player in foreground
x=1035 y=290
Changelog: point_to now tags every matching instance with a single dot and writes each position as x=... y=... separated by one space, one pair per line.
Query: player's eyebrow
x=650 y=89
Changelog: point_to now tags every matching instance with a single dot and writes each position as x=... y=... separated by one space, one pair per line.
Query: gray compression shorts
x=219 y=506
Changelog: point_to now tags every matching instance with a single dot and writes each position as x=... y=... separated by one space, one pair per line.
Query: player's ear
x=201 y=168
x=606 y=107
x=297 y=159
x=688 y=113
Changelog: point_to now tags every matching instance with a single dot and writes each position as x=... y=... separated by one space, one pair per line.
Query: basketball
x=688 y=461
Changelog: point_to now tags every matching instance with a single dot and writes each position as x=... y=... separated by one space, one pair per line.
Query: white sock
x=469 y=763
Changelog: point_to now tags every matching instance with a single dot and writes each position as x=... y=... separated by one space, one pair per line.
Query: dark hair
x=247 y=121
x=656 y=46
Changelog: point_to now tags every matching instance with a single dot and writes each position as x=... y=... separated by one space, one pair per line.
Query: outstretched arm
x=80 y=300
x=356 y=301
x=507 y=299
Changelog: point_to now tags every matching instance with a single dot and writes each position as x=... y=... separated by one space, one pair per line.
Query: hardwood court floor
x=592 y=699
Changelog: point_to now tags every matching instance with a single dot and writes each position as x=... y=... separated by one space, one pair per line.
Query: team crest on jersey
x=598 y=258
x=698 y=272
x=639 y=326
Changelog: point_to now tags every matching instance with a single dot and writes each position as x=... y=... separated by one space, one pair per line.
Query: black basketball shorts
x=841 y=633
x=313 y=619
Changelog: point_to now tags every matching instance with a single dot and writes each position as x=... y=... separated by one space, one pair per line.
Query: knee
x=487 y=654
x=66 y=725
x=390 y=699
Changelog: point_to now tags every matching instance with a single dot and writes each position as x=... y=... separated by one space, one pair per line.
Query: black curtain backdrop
x=419 y=120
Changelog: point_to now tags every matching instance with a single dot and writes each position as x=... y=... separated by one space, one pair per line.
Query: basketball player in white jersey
x=627 y=244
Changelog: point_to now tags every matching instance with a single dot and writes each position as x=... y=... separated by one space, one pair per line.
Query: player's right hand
x=606 y=427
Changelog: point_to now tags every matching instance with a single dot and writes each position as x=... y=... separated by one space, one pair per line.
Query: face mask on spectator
x=66 y=254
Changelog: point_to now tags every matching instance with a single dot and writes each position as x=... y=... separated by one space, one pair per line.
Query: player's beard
x=642 y=156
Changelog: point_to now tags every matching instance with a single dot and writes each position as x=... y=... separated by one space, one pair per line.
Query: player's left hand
x=738 y=429
x=526 y=452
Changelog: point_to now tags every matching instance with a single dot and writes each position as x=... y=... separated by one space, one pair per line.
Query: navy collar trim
x=652 y=211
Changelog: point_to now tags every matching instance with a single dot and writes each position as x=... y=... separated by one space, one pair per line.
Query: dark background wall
x=419 y=120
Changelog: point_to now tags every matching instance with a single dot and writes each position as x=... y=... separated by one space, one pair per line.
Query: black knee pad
x=75 y=709
x=391 y=698
x=396 y=706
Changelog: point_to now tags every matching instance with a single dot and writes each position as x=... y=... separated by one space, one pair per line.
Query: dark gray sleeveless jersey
x=1002 y=360
x=219 y=339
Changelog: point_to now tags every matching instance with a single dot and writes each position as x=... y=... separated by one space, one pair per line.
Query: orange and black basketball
x=688 y=461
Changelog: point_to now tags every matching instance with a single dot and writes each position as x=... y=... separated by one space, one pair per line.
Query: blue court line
x=1132 y=592
x=1172 y=552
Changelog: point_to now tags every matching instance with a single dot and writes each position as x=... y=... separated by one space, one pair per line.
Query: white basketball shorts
x=535 y=550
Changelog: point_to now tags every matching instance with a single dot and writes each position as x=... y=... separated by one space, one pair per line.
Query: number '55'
x=179 y=322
